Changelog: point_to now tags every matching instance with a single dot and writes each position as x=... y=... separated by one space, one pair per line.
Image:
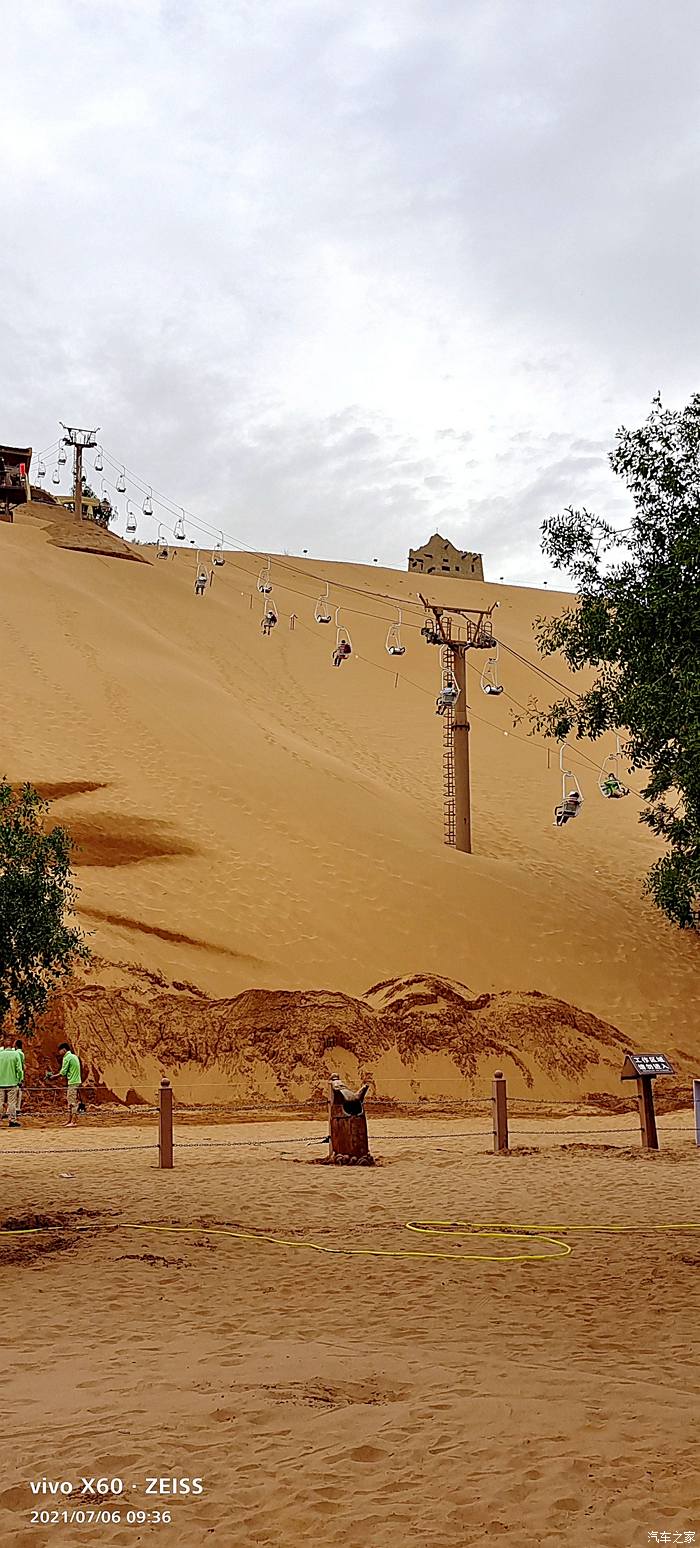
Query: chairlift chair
x=130 y=517
x=162 y=543
x=430 y=633
x=609 y=783
x=218 y=552
x=265 y=580
x=62 y=455
x=393 y=644
x=41 y=470
x=55 y=476
x=99 y=460
x=270 y=615
x=489 y=676
x=449 y=692
x=343 y=643
x=322 y=612
x=571 y=793
x=147 y=506
x=179 y=529
x=202 y=579
x=121 y=482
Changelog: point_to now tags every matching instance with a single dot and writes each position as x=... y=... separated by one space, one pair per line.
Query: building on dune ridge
x=440 y=557
x=14 y=478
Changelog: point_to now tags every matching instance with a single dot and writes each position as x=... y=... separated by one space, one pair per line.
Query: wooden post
x=165 y=1125
x=460 y=725
x=500 y=1113
x=696 y=1106
x=647 y=1116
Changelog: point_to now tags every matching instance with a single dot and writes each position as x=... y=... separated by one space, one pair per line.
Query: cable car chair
x=571 y=793
x=162 y=543
x=147 y=506
x=121 y=482
x=270 y=615
x=265 y=580
x=322 y=612
x=130 y=517
x=393 y=645
x=489 y=676
x=343 y=642
x=609 y=783
x=202 y=577
x=179 y=528
x=55 y=476
x=449 y=692
x=62 y=455
x=99 y=460
x=431 y=634
x=41 y=470
x=218 y=552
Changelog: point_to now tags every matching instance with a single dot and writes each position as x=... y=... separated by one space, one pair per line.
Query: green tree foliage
x=636 y=620
x=37 y=946
x=102 y=513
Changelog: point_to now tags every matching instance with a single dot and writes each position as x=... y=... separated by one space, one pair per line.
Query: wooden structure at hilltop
x=14 y=479
x=440 y=557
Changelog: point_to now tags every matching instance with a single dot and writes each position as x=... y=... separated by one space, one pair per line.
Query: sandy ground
x=354 y=1400
x=248 y=816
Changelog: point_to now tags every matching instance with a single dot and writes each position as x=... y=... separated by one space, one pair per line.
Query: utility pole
x=456 y=766
x=79 y=440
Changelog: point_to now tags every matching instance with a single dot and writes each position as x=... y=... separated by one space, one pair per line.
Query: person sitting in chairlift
x=342 y=650
x=612 y=788
x=568 y=809
x=269 y=621
x=200 y=584
x=446 y=699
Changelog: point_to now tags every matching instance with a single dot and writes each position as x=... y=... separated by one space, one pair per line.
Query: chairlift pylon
x=393 y=643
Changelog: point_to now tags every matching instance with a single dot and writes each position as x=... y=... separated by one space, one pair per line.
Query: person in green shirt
x=19 y=1050
x=71 y=1072
x=10 y=1075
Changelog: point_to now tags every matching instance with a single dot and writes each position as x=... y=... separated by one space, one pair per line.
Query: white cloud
x=342 y=273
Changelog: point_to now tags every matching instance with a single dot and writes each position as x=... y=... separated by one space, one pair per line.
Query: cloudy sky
x=331 y=275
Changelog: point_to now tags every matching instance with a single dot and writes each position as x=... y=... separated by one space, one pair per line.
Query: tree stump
x=349 y=1145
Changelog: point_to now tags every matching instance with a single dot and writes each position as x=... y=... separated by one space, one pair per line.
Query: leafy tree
x=103 y=513
x=37 y=946
x=636 y=619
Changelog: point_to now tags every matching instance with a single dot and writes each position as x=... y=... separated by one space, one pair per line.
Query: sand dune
x=249 y=817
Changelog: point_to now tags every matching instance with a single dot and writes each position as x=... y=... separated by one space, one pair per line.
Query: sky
x=334 y=276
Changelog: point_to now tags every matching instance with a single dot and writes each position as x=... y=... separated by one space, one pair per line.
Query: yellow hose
x=495 y=1231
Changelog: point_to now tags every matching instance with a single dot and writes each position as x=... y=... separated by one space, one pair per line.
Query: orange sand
x=247 y=816
x=354 y=1401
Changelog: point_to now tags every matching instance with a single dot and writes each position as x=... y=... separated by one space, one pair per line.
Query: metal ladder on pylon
x=448 y=756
